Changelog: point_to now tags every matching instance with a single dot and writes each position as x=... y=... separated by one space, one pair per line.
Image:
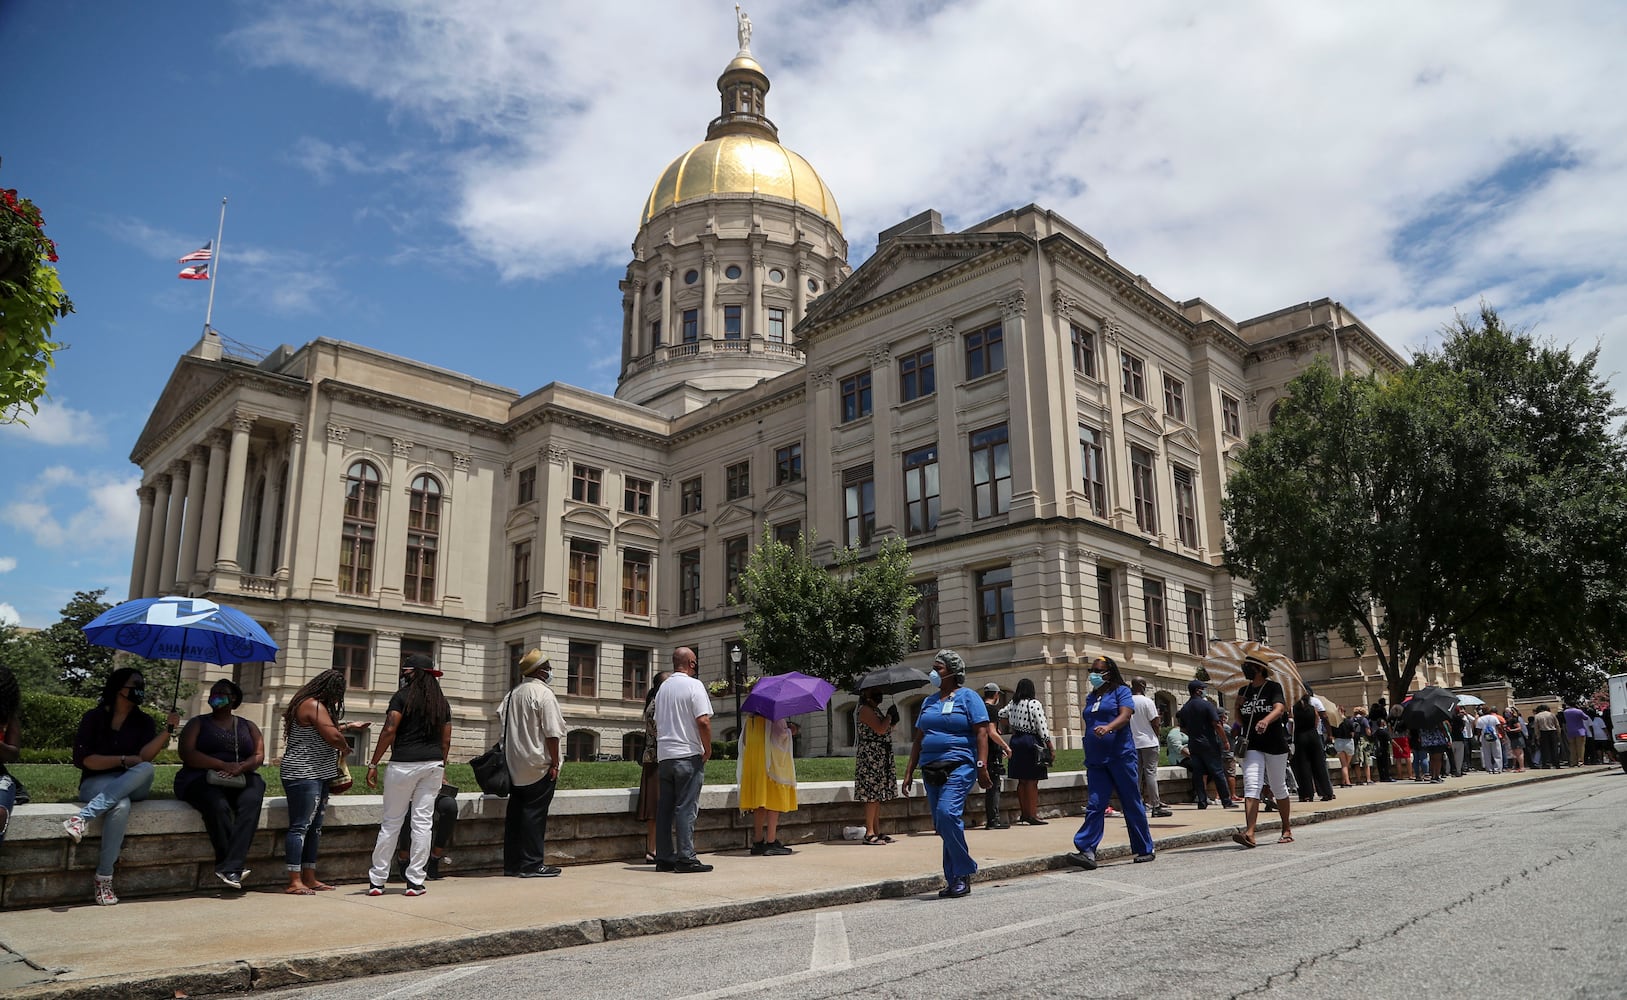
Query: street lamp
x=737 y=667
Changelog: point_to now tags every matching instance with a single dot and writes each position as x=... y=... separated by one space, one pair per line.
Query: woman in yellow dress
x=767 y=777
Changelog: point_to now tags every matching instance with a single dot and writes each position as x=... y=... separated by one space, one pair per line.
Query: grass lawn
x=60 y=782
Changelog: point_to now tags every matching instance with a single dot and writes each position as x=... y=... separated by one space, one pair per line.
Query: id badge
x=946 y=708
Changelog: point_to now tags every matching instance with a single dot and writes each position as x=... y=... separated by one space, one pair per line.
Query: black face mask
x=1251 y=673
x=136 y=695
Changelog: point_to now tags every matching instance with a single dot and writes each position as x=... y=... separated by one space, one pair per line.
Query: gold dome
x=741 y=164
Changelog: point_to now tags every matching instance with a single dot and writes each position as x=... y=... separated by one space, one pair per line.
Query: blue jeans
x=307 y=800
x=1117 y=774
x=8 y=802
x=109 y=795
x=679 y=804
x=947 y=801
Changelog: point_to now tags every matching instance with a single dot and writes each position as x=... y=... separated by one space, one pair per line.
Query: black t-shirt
x=415 y=739
x=1256 y=704
x=1197 y=718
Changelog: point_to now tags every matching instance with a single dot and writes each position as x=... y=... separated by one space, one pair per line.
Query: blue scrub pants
x=947 y=802
x=1101 y=781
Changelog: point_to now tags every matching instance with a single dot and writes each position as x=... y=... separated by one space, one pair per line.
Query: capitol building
x=1050 y=433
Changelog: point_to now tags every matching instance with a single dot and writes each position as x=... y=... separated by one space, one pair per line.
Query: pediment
x=903 y=262
x=594 y=516
x=1182 y=437
x=783 y=497
x=639 y=526
x=192 y=381
x=733 y=514
x=521 y=517
x=689 y=526
x=1143 y=418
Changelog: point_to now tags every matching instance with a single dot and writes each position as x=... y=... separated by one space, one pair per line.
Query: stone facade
x=1049 y=431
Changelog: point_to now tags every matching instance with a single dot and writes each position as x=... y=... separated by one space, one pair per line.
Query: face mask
x=137 y=695
x=1096 y=680
x=406 y=679
x=220 y=700
x=934 y=679
x=1251 y=673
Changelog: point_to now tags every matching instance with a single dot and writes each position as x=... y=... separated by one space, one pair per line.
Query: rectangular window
x=737 y=481
x=1197 y=630
x=689 y=582
x=855 y=396
x=788 y=464
x=655 y=334
x=1142 y=486
x=526 y=491
x=1231 y=417
x=1309 y=639
x=689 y=496
x=996 y=618
x=991 y=471
x=736 y=552
x=521 y=595
x=916 y=376
x=635 y=582
x=1107 y=602
x=1093 y=459
x=692 y=325
x=516 y=653
x=636 y=494
x=1135 y=375
x=585 y=483
x=1186 y=507
x=584 y=574
x=921 y=490
x=1152 y=603
x=788 y=533
x=635 y=674
x=1084 y=351
x=1175 y=398
x=859 y=505
x=582 y=678
x=924 y=629
x=776 y=326
x=417 y=647
x=985 y=352
x=731 y=323
x=351 y=655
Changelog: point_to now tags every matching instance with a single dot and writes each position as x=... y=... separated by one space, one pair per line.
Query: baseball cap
x=991 y=688
x=1195 y=685
x=418 y=661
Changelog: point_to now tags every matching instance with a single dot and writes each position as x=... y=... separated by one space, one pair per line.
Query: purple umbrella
x=781 y=696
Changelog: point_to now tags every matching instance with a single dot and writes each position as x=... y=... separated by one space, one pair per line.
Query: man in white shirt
x=683 y=744
x=1144 y=729
x=533 y=729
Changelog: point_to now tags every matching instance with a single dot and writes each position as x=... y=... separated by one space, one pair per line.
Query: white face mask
x=934 y=679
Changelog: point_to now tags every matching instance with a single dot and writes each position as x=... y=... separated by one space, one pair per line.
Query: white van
x=1618 y=716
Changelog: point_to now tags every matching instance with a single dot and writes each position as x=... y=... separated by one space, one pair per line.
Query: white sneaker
x=104 y=891
x=74 y=827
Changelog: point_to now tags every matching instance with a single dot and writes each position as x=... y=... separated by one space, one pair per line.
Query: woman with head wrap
x=1111 y=765
x=952 y=747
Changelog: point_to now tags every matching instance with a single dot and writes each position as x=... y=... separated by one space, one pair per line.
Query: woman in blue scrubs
x=952 y=746
x=1110 y=765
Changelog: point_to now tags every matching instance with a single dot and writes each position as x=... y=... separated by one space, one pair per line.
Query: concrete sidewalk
x=233 y=943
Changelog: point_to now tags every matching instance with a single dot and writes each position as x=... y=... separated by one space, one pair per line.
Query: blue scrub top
x=946 y=725
x=1101 y=708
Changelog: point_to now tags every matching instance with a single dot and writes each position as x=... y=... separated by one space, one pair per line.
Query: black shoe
x=1203 y=805
x=1141 y=859
x=1083 y=859
x=1161 y=813
x=1229 y=805
x=663 y=866
x=1031 y=821
x=775 y=849
x=433 y=870
x=956 y=889
x=415 y=889
x=997 y=825
x=546 y=871
x=690 y=867
x=759 y=848
x=1329 y=798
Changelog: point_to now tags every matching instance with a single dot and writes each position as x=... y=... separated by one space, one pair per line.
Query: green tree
x=25 y=654
x=31 y=301
x=1477 y=493
x=81 y=666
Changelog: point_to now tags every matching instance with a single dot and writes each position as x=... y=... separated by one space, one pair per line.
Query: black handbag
x=1045 y=751
x=235 y=781
x=491 y=767
x=938 y=772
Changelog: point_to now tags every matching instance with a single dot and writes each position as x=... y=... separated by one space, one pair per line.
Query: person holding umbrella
x=766 y=774
x=114 y=749
x=874 y=771
x=1260 y=709
x=952 y=747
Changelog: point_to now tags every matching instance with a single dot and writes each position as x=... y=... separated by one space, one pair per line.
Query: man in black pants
x=999 y=750
x=533 y=734
x=446 y=816
x=1206 y=739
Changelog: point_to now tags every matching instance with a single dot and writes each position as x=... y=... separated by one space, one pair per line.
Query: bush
x=52 y=720
x=725 y=749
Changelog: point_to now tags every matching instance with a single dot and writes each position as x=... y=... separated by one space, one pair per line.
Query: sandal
x=1286 y=838
x=874 y=840
x=649 y=858
x=885 y=839
x=1243 y=839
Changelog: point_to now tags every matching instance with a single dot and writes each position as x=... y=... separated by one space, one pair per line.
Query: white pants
x=407 y=786
x=1491 y=754
x=1260 y=768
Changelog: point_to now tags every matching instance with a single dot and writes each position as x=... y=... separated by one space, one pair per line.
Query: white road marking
x=1074 y=876
x=830 y=943
x=433 y=982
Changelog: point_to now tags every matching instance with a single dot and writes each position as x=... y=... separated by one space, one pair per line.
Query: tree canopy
x=60 y=660
x=1480 y=493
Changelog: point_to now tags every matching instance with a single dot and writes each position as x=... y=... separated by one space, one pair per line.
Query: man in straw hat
x=534 y=732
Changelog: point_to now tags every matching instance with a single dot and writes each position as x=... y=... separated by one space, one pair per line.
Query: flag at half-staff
x=196 y=272
x=198 y=263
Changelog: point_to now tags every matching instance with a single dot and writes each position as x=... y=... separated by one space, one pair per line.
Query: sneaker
x=374 y=889
x=1113 y=813
x=775 y=849
x=232 y=879
x=104 y=887
x=546 y=871
x=664 y=866
x=1083 y=859
x=1142 y=859
x=413 y=889
x=1161 y=813
x=759 y=848
x=74 y=827
x=691 y=867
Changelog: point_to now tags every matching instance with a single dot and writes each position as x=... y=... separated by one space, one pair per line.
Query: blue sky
x=459 y=180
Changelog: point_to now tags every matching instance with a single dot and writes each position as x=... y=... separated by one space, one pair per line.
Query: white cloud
x=56 y=424
x=1256 y=154
x=7 y=564
x=9 y=615
x=90 y=511
x=324 y=159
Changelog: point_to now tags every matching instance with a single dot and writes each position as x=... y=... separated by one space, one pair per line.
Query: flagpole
x=214 y=269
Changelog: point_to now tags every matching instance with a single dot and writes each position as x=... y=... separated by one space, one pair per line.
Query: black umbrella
x=891 y=680
x=1428 y=707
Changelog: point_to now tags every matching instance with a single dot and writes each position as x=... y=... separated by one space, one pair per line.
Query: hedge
x=52 y=720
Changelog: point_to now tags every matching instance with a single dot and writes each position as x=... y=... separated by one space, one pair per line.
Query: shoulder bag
x=219 y=780
x=491 y=767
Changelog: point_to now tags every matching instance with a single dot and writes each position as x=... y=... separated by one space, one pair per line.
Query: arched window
x=580 y=744
x=361 y=529
x=1166 y=708
x=1271 y=414
x=632 y=746
x=423 y=539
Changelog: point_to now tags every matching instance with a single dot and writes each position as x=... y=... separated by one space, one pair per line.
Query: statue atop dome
x=743 y=30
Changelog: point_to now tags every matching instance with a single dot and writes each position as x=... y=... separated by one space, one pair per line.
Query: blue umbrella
x=182 y=628
x=781 y=696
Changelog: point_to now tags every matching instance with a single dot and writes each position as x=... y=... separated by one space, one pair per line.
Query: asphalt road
x=1519 y=894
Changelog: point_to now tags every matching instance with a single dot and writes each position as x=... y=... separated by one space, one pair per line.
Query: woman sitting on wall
x=222 y=754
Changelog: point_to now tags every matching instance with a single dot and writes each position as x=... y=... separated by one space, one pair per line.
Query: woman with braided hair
x=313 y=747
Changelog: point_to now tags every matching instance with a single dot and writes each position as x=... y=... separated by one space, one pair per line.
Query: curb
x=300 y=970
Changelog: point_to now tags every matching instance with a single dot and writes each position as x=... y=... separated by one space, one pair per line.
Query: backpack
x=1344 y=730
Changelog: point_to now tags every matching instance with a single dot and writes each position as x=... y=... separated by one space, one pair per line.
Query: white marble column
x=801 y=272
x=954 y=466
x=390 y=550
x=172 y=527
x=669 y=333
x=155 y=540
x=187 y=568
x=640 y=331
x=290 y=517
x=449 y=579
x=144 y=530
x=1120 y=490
x=213 y=493
x=759 y=319
x=264 y=553
x=824 y=520
x=889 y=474
x=711 y=324
x=547 y=550
x=231 y=523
